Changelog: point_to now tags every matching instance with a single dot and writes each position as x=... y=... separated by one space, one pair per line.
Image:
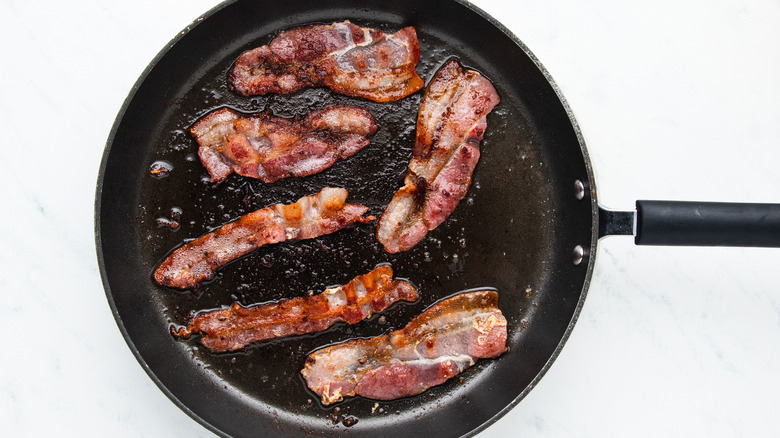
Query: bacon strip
x=436 y=345
x=235 y=327
x=450 y=125
x=270 y=148
x=349 y=59
x=309 y=217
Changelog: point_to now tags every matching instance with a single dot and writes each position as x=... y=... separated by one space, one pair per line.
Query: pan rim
x=590 y=195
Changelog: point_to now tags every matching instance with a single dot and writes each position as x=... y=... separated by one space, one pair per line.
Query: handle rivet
x=578 y=255
x=579 y=190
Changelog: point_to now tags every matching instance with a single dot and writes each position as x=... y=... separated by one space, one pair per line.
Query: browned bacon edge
x=349 y=59
x=309 y=217
x=435 y=346
x=450 y=125
x=270 y=148
x=235 y=327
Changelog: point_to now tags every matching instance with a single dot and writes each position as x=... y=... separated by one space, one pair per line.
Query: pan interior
x=514 y=231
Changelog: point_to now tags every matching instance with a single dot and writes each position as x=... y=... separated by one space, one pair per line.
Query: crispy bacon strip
x=235 y=327
x=436 y=345
x=450 y=125
x=309 y=217
x=270 y=148
x=349 y=59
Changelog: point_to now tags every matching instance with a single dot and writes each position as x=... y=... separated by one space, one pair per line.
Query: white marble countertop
x=676 y=100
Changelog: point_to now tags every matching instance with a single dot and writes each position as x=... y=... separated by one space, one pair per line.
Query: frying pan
x=528 y=227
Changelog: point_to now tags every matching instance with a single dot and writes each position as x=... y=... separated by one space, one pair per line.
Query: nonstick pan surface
x=514 y=232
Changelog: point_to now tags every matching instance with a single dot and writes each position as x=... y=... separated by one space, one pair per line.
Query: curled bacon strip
x=236 y=327
x=270 y=148
x=435 y=346
x=309 y=217
x=450 y=124
x=349 y=59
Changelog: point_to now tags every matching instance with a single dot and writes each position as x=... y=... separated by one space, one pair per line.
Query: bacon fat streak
x=438 y=344
x=450 y=125
x=270 y=148
x=348 y=59
x=236 y=327
x=309 y=217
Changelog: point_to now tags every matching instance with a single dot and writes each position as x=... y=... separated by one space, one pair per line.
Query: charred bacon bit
x=270 y=148
x=309 y=217
x=160 y=169
x=436 y=345
x=236 y=327
x=450 y=125
x=348 y=59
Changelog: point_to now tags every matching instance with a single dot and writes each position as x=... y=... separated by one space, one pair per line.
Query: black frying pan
x=529 y=225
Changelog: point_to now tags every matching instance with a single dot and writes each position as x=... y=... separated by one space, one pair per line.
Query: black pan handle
x=684 y=223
